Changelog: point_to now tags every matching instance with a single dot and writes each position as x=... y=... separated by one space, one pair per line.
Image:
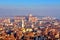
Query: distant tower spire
x=22 y=23
x=30 y=12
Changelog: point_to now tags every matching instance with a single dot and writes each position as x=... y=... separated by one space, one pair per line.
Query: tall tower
x=22 y=22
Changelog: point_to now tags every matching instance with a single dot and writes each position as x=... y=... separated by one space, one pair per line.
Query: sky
x=25 y=7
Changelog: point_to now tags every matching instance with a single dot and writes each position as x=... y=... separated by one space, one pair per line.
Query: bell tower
x=22 y=22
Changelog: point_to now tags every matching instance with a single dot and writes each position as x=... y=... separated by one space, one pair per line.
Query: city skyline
x=29 y=19
x=35 y=7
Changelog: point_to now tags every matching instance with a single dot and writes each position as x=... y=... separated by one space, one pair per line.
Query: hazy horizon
x=35 y=7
